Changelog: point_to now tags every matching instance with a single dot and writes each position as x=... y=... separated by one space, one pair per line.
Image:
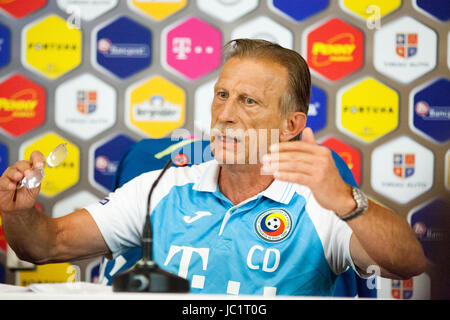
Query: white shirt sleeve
x=121 y=215
x=334 y=234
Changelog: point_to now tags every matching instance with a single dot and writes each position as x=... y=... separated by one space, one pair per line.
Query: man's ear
x=293 y=125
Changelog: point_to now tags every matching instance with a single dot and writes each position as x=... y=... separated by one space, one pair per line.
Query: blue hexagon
x=5 y=45
x=299 y=9
x=104 y=160
x=431 y=224
x=123 y=47
x=317 y=112
x=3 y=158
x=439 y=9
x=430 y=110
x=2 y=273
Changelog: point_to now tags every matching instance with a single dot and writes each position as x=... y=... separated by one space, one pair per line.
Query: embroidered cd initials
x=273 y=225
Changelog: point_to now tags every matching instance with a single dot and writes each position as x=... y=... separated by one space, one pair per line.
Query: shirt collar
x=279 y=191
x=208 y=178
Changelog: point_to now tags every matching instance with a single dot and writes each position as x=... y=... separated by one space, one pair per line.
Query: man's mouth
x=227 y=139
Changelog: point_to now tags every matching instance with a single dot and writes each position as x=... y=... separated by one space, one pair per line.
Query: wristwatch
x=361 y=204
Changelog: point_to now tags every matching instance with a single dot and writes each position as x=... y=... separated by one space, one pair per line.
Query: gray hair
x=296 y=97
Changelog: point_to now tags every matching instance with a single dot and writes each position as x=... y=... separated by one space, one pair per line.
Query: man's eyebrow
x=254 y=94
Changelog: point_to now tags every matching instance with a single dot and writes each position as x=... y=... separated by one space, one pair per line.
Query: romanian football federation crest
x=86 y=101
x=404 y=164
x=406 y=46
x=273 y=225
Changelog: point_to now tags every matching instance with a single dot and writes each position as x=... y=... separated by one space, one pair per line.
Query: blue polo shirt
x=279 y=242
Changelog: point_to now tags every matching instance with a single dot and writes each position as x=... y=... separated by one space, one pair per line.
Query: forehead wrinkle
x=266 y=87
x=239 y=87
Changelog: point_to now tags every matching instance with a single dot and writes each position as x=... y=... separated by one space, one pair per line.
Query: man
x=287 y=224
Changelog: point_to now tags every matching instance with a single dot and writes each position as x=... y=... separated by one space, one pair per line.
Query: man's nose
x=228 y=112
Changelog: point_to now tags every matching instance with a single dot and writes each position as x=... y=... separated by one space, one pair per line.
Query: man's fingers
x=293 y=146
x=37 y=159
x=298 y=178
x=7 y=185
x=22 y=165
x=18 y=170
x=13 y=174
x=301 y=157
x=9 y=179
x=288 y=167
x=308 y=136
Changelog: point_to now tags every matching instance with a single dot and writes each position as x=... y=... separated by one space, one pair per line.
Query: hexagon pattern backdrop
x=102 y=75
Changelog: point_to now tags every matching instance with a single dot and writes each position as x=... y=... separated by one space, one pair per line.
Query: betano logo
x=20 y=105
x=333 y=50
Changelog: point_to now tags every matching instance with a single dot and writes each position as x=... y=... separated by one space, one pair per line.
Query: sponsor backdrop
x=103 y=74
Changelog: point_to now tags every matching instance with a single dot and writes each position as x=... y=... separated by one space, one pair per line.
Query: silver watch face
x=360 y=198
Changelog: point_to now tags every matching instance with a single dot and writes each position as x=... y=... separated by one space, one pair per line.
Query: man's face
x=245 y=116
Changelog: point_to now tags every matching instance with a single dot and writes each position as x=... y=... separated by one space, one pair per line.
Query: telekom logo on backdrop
x=193 y=48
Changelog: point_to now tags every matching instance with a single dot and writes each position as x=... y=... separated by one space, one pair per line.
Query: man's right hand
x=9 y=181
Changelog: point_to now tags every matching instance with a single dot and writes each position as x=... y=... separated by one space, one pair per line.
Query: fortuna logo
x=273 y=225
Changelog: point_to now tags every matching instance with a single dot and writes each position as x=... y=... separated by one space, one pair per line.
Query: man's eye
x=249 y=101
x=222 y=94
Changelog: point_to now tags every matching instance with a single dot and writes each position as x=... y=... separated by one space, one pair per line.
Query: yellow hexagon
x=371 y=9
x=52 y=46
x=49 y=273
x=59 y=178
x=367 y=109
x=155 y=107
x=157 y=10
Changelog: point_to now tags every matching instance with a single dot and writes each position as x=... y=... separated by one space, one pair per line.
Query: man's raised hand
x=307 y=163
x=11 y=198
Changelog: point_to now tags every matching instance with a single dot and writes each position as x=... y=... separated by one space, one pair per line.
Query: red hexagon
x=350 y=155
x=19 y=9
x=192 y=48
x=2 y=236
x=22 y=105
x=335 y=49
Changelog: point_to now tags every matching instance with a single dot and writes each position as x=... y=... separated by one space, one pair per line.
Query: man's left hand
x=307 y=163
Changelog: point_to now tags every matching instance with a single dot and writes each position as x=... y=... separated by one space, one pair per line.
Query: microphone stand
x=146 y=276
